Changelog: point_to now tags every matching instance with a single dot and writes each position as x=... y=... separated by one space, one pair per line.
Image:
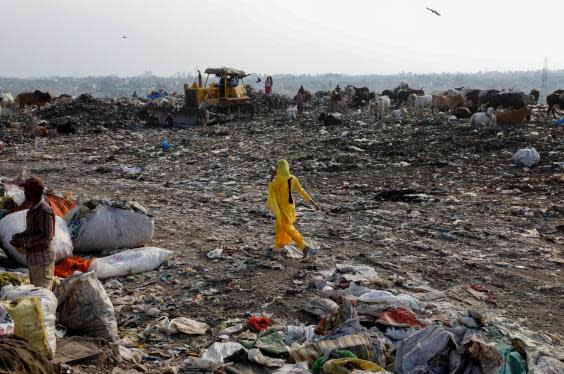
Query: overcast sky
x=84 y=37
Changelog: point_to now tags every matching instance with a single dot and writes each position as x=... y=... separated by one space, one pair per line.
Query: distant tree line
x=288 y=84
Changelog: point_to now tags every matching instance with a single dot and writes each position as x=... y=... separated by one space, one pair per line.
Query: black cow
x=362 y=96
x=404 y=94
x=389 y=93
x=503 y=99
x=555 y=100
x=472 y=99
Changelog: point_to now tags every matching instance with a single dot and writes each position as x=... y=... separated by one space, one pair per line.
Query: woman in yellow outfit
x=281 y=204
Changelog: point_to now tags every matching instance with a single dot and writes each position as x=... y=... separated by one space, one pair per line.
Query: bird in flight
x=434 y=11
x=124 y=37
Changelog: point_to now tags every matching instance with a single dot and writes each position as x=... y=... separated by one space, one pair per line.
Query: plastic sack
x=6 y=322
x=526 y=156
x=109 y=227
x=131 y=261
x=85 y=307
x=33 y=310
x=16 y=222
x=15 y=192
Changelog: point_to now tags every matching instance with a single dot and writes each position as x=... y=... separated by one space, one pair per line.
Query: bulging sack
x=131 y=261
x=33 y=310
x=84 y=307
x=16 y=222
x=109 y=227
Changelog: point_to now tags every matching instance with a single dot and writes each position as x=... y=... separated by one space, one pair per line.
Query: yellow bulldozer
x=223 y=99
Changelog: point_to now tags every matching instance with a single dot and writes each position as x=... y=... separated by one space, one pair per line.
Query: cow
x=37 y=98
x=471 y=96
x=512 y=100
x=7 y=100
x=361 y=96
x=336 y=101
x=424 y=101
x=403 y=94
x=389 y=93
x=513 y=117
x=379 y=106
x=555 y=100
x=7 y=103
x=447 y=102
x=484 y=120
x=461 y=112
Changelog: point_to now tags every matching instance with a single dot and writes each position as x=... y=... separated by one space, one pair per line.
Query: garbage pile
x=405 y=328
x=265 y=103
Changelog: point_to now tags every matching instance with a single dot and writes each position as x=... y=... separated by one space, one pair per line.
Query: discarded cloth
x=359 y=344
x=69 y=265
x=399 y=317
x=271 y=341
x=260 y=323
x=347 y=365
x=513 y=362
x=446 y=350
x=18 y=357
x=317 y=365
x=59 y=205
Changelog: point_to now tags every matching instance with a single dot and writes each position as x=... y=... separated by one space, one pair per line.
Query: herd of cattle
x=484 y=108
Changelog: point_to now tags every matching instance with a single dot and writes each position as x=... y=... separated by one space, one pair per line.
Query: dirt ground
x=425 y=200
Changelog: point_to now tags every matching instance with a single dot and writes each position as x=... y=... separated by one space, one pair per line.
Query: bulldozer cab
x=229 y=85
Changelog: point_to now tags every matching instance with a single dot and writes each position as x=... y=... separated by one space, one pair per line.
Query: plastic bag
x=109 y=227
x=6 y=322
x=526 y=156
x=217 y=352
x=85 y=307
x=187 y=326
x=16 y=222
x=131 y=261
x=33 y=310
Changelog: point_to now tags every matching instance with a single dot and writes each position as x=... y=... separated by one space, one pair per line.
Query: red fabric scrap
x=260 y=323
x=400 y=317
x=69 y=265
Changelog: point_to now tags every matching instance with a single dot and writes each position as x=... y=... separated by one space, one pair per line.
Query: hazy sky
x=84 y=37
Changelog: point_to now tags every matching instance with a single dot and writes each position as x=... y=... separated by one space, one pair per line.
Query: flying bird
x=434 y=11
x=124 y=37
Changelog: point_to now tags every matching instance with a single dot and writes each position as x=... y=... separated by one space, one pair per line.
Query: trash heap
x=369 y=324
x=78 y=306
x=267 y=103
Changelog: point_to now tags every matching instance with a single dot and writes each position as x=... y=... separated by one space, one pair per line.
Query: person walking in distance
x=281 y=204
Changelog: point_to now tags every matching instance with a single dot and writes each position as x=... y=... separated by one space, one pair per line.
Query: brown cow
x=448 y=102
x=33 y=98
x=513 y=117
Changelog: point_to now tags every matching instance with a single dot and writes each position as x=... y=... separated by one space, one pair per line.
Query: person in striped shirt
x=38 y=236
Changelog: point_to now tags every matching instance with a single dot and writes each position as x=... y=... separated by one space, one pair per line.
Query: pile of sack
x=79 y=301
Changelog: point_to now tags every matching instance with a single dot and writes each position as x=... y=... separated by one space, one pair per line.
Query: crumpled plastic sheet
x=446 y=350
x=217 y=352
